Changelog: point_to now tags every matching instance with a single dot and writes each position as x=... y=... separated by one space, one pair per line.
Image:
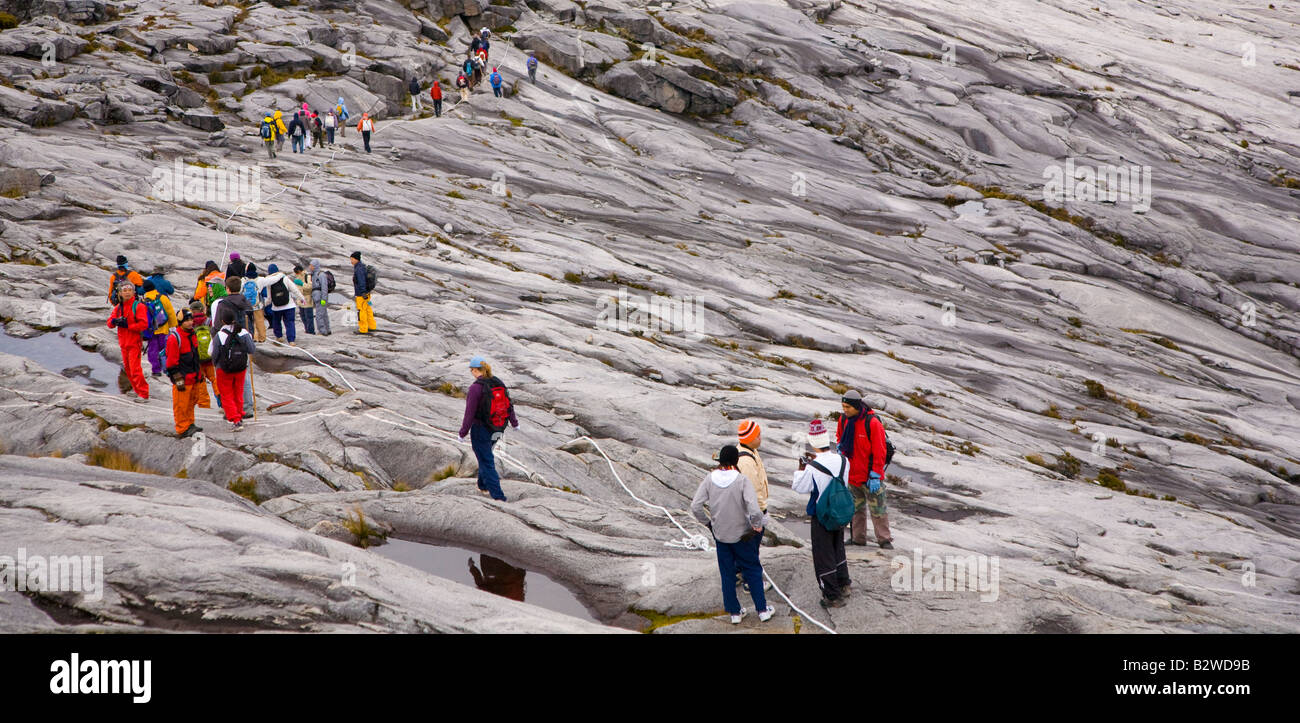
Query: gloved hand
x=121 y=322
x=873 y=482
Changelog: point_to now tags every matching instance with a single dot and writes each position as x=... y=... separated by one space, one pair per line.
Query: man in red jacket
x=436 y=94
x=862 y=440
x=187 y=379
x=131 y=317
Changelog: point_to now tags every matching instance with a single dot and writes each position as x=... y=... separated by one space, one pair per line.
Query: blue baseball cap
x=477 y=362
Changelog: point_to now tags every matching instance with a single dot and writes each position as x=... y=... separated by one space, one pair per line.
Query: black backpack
x=372 y=276
x=231 y=356
x=279 y=293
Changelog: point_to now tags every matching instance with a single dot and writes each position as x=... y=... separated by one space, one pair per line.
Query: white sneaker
x=766 y=614
x=735 y=619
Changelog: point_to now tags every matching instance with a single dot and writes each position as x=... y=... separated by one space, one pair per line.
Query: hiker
x=237 y=301
x=341 y=110
x=477 y=68
x=485 y=42
x=735 y=520
x=366 y=126
x=284 y=299
x=462 y=84
x=320 y=291
x=158 y=302
x=814 y=473
x=122 y=273
x=861 y=439
x=414 y=87
x=187 y=378
x=207 y=276
x=203 y=335
x=331 y=125
x=235 y=269
x=531 y=65
x=252 y=292
x=361 y=292
x=231 y=349
x=267 y=132
x=435 y=93
x=305 y=312
x=130 y=318
x=298 y=134
x=468 y=69
x=495 y=80
x=317 y=131
x=750 y=437
x=280 y=131
x=481 y=57
x=475 y=43
x=487 y=410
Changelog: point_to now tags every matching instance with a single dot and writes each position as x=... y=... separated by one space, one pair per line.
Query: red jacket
x=183 y=353
x=867 y=456
x=436 y=91
x=137 y=320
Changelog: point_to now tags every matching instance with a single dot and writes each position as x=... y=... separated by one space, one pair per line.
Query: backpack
x=494 y=407
x=157 y=316
x=279 y=293
x=297 y=129
x=117 y=279
x=496 y=80
x=835 y=503
x=231 y=356
x=267 y=131
x=331 y=121
x=372 y=276
x=215 y=291
x=249 y=291
x=532 y=62
x=203 y=337
x=889 y=446
x=330 y=285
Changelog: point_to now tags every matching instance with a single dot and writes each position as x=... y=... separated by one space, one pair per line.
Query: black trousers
x=829 y=562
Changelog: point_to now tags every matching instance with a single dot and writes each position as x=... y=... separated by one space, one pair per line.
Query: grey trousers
x=322 y=319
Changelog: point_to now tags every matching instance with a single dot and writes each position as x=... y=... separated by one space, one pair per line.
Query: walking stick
x=252 y=384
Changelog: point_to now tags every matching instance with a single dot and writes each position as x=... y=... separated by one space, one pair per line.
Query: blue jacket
x=359 y=279
x=496 y=80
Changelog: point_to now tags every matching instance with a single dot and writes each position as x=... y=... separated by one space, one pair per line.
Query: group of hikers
x=844 y=483
x=213 y=335
x=311 y=129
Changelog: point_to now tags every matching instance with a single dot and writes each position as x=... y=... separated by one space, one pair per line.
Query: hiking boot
x=766 y=614
x=236 y=426
x=829 y=603
x=189 y=431
x=141 y=400
x=886 y=545
x=735 y=619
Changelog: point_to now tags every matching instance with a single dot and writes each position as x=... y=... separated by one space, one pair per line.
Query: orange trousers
x=183 y=404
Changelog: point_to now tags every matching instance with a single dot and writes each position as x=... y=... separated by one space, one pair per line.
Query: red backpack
x=494 y=409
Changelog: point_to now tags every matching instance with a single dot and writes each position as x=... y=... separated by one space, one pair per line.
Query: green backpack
x=835 y=503
x=203 y=337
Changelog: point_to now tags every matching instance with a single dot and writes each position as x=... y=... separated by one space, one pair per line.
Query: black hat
x=356 y=255
x=184 y=316
x=250 y=271
x=121 y=261
x=728 y=456
x=147 y=285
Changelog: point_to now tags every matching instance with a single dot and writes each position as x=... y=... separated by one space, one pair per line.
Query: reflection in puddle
x=487 y=573
x=59 y=353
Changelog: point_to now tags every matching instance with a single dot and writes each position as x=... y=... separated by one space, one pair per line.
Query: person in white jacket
x=735 y=519
x=285 y=296
x=814 y=473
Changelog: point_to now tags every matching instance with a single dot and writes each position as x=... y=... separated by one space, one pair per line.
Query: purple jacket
x=472 y=401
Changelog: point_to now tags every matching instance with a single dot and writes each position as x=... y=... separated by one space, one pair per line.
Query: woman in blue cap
x=487 y=411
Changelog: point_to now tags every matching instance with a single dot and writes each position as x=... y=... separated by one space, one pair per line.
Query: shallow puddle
x=487 y=573
x=58 y=352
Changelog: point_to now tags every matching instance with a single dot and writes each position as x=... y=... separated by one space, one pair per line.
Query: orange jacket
x=201 y=291
x=132 y=276
x=364 y=121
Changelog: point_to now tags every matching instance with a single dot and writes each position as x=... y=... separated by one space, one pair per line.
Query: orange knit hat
x=748 y=431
